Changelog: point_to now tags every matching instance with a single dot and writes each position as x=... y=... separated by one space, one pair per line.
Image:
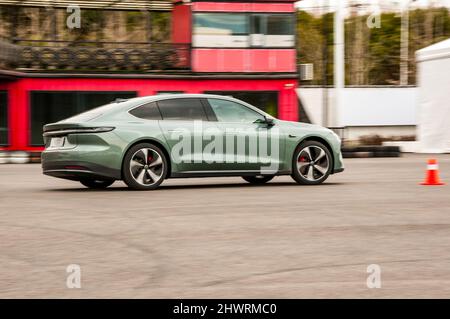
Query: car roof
x=179 y=95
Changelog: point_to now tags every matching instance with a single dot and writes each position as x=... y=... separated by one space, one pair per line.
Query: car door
x=183 y=123
x=249 y=143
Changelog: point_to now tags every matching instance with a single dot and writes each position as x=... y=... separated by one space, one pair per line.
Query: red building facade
x=243 y=49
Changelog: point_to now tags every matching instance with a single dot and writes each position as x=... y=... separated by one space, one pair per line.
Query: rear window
x=147 y=111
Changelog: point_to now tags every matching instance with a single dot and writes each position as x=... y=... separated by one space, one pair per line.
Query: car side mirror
x=267 y=121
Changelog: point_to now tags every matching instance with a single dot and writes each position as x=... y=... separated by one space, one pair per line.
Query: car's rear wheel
x=312 y=163
x=260 y=179
x=96 y=183
x=144 y=167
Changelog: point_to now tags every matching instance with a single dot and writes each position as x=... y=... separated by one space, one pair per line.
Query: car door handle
x=175 y=131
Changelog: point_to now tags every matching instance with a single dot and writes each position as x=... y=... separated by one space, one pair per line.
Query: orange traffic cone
x=432 y=177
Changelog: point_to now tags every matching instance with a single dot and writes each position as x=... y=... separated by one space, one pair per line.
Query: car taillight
x=81 y=130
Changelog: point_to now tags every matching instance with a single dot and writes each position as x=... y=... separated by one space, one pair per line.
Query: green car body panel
x=97 y=141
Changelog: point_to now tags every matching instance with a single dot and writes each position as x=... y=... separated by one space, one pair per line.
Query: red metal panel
x=18 y=116
x=244 y=60
x=181 y=24
x=232 y=60
x=272 y=7
x=287 y=100
x=284 y=60
x=206 y=60
x=242 y=7
x=260 y=60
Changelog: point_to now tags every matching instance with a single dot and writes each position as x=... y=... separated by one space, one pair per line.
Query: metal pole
x=339 y=59
x=148 y=20
x=404 y=43
x=54 y=24
x=14 y=24
x=324 y=68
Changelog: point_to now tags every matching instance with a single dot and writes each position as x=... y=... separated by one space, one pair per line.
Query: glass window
x=148 y=111
x=257 y=22
x=182 y=109
x=272 y=24
x=50 y=107
x=220 y=23
x=266 y=101
x=228 y=111
x=280 y=24
x=3 y=118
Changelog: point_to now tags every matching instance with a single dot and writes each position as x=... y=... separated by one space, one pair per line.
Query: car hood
x=304 y=126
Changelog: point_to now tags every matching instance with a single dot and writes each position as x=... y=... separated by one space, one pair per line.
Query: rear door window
x=182 y=109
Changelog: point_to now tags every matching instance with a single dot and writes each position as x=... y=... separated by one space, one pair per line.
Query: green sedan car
x=145 y=140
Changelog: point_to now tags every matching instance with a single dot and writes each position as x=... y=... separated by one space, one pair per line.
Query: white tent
x=434 y=98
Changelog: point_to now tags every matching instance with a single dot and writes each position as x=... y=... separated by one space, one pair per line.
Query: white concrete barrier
x=4 y=157
x=362 y=106
x=18 y=157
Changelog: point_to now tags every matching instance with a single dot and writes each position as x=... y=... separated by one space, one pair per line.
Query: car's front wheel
x=144 y=167
x=96 y=183
x=311 y=163
x=260 y=179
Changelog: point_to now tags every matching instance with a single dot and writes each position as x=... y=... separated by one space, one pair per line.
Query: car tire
x=258 y=180
x=96 y=183
x=312 y=163
x=144 y=167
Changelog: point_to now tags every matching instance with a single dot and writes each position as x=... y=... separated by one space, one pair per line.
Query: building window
x=215 y=30
x=266 y=101
x=280 y=24
x=3 y=118
x=242 y=30
x=257 y=23
x=272 y=24
x=50 y=107
x=220 y=23
x=272 y=30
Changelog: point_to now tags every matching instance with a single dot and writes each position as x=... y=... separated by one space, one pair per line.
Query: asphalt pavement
x=224 y=238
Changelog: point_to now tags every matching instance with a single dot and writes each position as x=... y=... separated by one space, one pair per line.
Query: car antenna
x=119 y=100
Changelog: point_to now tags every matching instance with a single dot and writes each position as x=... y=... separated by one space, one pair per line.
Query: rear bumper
x=90 y=157
x=75 y=170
